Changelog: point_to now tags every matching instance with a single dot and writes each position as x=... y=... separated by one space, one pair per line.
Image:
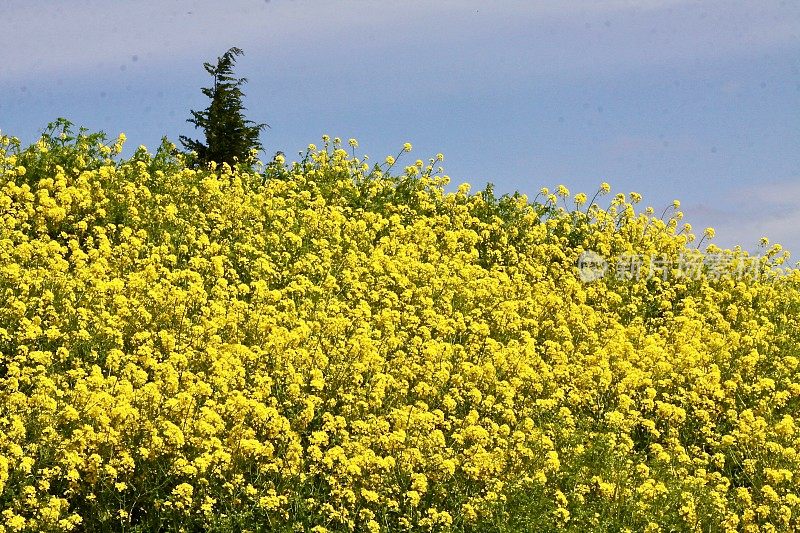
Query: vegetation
x=230 y=137
x=334 y=346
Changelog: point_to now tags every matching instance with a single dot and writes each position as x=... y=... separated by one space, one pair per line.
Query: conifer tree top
x=229 y=136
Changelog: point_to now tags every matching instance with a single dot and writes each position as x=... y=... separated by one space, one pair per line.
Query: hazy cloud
x=46 y=36
x=746 y=214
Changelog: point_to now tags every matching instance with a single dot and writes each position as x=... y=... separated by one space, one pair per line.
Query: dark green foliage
x=230 y=137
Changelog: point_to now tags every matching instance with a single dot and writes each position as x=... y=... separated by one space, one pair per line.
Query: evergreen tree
x=230 y=138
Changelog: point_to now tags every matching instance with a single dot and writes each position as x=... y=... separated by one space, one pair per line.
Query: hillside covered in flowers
x=338 y=345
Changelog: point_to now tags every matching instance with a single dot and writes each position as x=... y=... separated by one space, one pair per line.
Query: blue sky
x=675 y=99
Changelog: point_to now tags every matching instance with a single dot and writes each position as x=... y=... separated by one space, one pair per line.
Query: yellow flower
x=378 y=351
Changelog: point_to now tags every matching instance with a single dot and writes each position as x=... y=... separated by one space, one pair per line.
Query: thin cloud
x=46 y=37
x=769 y=210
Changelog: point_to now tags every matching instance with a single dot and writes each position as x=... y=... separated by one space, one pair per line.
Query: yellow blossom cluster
x=324 y=346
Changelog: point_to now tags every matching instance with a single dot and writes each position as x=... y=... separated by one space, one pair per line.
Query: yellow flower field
x=337 y=345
